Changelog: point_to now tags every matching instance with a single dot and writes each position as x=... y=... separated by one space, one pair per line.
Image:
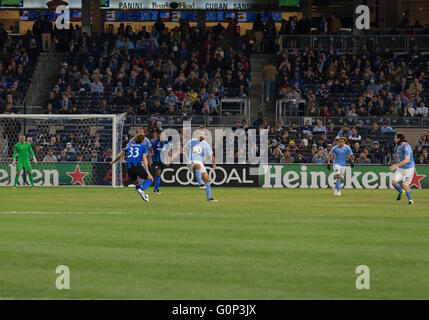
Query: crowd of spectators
x=421 y=148
x=312 y=144
x=372 y=83
x=18 y=55
x=332 y=25
x=179 y=71
x=73 y=146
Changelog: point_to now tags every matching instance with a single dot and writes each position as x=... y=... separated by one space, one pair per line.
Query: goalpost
x=70 y=149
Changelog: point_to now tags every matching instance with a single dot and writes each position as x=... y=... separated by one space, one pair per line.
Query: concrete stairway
x=257 y=94
x=43 y=78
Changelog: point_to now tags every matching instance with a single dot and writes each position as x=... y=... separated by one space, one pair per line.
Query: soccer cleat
x=14 y=187
x=212 y=200
x=143 y=195
x=338 y=193
x=157 y=191
x=410 y=202
x=400 y=195
x=202 y=186
x=335 y=192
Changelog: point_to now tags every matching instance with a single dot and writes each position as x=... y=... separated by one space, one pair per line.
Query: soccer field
x=253 y=244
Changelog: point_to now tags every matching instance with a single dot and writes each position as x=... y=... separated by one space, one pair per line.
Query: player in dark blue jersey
x=148 y=145
x=160 y=148
x=136 y=153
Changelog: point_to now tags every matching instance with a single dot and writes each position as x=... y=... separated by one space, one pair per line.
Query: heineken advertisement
x=50 y=174
x=315 y=176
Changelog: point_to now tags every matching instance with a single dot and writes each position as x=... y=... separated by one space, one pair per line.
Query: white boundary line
x=59 y=212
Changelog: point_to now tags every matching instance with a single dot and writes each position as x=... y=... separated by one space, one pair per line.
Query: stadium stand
x=178 y=72
x=18 y=57
x=185 y=73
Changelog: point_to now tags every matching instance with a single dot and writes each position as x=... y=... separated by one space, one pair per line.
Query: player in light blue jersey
x=404 y=169
x=196 y=149
x=341 y=154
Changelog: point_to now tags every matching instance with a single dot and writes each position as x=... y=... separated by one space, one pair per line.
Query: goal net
x=70 y=149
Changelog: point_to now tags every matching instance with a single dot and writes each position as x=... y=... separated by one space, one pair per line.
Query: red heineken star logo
x=77 y=176
x=416 y=179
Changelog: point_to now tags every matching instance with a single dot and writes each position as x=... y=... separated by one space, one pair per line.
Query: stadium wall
x=319 y=177
x=303 y=176
x=412 y=134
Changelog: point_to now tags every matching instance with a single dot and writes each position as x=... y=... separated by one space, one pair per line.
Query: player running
x=159 y=148
x=148 y=145
x=196 y=150
x=404 y=169
x=22 y=151
x=342 y=154
x=136 y=153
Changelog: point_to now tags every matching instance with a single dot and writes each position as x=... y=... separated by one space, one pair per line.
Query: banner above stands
x=158 y=5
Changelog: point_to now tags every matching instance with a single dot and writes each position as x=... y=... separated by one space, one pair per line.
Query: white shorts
x=191 y=164
x=405 y=175
x=339 y=169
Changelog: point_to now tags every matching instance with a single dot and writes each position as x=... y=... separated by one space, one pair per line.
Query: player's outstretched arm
x=213 y=161
x=32 y=154
x=15 y=154
x=328 y=162
x=352 y=160
x=400 y=164
x=145 y=164
x=117 y=158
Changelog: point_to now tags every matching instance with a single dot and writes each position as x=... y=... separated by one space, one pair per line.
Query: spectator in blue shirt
x=345 y=132
x=372 y=85
x=386 y=128
x=171 y=97
x=211 y=101
x=297 y=79
x=307 y=128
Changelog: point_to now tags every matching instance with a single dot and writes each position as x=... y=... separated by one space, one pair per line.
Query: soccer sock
x=198 y=176
x=399 y=189
x=31 y=179
x=338 y=184
x=138 y=187
x=146 y=184
x=409 y=194
x=16 y=179
x=208 y=191
x=157 y=182
x=141 y=182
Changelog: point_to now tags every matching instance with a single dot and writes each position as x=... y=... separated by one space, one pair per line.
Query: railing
x=282 y=108
x=394 y=122
x=342 y=43
x=177 y=121
x=234 y=106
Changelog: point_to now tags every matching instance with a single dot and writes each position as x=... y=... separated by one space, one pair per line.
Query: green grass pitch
x=252 y=244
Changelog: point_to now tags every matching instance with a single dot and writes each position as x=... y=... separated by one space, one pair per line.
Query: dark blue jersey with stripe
x=158 y=149
x=135 y=154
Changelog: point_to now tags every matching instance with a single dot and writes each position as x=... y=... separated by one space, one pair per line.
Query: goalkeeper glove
x=328 y=166
x=352 y=164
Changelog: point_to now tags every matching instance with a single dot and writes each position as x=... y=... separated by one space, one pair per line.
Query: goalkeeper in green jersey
x=22 y=151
